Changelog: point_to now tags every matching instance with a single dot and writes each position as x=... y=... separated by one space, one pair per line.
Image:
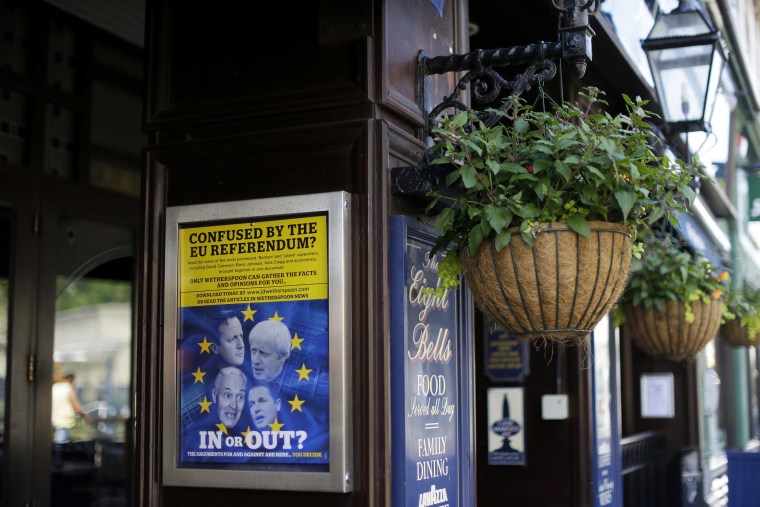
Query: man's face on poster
x=229 y=395
x=263 y=407
x=230 y=342
x=266 y=363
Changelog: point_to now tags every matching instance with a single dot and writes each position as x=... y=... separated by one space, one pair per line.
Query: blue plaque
x=431 y=376
x=505 y=354
x=606 y=455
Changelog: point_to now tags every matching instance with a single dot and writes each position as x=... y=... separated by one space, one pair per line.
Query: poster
x=430 y=376
x=253 y=343
x=257 y=363
x=506 y=426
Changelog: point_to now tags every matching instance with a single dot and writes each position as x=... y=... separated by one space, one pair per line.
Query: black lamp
x=686 y=58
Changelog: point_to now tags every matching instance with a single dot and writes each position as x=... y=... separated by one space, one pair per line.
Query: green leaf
x=502 y=240
x=526 y=231
x=625 y=199
x=540 y=190
x=513 y=168
x=445 y=219
x=528 y=210
x=688 y=193
x=563 y=170
x=493 y=166
x=657 y=214
x=579 y=224
x=521 y=125
x=485 y=227
x=474 y=147
x=459 y=120
x=469 y=175
x=452 y=178
x=475 y=239
x=596 y=172
x=498 y=217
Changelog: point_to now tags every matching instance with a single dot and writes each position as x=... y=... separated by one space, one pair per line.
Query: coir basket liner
x=560 y=288
x=666 y=334
x=737 y=335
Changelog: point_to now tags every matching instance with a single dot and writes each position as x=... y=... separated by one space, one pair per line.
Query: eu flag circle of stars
x=303 y=374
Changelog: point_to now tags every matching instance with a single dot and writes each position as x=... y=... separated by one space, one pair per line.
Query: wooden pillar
x=296 y=98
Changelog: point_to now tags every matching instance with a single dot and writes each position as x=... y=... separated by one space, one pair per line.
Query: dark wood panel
x=411 y=26
x=556 y=451
x=209 y=64
x=256 y=165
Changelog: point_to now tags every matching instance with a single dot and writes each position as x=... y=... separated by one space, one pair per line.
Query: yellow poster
x=269 y=260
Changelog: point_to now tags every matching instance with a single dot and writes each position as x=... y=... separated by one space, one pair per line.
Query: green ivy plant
x=572 y=164
x=744 y=305
x=670 y=272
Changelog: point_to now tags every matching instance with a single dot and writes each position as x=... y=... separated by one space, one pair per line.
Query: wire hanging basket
x=665 y=334
x=737 y=335
x=558 y=289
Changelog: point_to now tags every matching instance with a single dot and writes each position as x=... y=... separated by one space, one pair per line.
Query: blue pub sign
x=431 y=376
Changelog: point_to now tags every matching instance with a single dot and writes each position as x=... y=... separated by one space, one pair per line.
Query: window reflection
x=93 y=330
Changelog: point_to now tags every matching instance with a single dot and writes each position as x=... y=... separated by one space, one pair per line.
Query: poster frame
x=338 y=477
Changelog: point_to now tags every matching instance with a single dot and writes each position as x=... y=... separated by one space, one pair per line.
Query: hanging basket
x=560 y=288
x=737 y=335
x=665 y=334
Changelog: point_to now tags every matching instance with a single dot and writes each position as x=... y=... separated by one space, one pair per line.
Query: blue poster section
x=431 y=377
x=606 y=454
x=251 y=405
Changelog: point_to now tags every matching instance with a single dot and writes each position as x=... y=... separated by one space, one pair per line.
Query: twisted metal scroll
x=487 y=85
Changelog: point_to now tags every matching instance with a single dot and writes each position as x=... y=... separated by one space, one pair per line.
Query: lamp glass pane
x=716 y=70
x=686 y=24
x=681 y=78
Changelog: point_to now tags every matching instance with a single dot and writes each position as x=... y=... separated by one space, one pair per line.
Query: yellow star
x=248 y=313
x=276 y=425
x=295 y=343
x=276 y=317
x=205 y=346
x=198 y=374
x=205 y=404
x=245 y=433
x=295 y=404
x=222 y=428
x=303 y=373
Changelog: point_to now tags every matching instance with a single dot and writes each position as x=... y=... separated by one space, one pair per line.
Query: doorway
x=70 y=153
x=66 y=310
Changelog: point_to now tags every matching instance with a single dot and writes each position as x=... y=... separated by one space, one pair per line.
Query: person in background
x=66 y=408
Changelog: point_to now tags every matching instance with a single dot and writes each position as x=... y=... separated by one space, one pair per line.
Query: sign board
x=505 y=354
x=431 y=376
x=657 y=396
x=753 y=195
x=506 y=426
x=606 y=454
x=257 y=360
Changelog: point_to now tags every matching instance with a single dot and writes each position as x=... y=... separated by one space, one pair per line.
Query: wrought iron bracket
x=486 y=84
